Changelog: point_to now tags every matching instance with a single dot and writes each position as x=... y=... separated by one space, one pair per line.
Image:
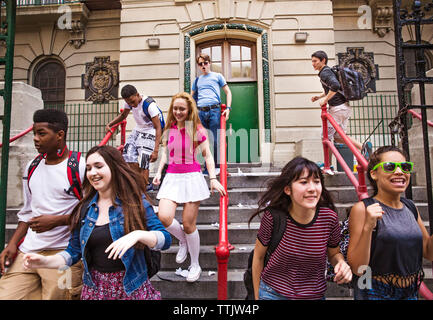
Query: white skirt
x=184 y=187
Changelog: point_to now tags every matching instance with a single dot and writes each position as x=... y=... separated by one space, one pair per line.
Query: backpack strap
x=33 y=166
x=279 y=219
x=409 y=203
x=146 y=103
x=195 y=96
x=74 y=174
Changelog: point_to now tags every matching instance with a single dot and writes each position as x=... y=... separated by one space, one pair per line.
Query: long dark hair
x=276 y=198
x=376 y=158
x=127 y=185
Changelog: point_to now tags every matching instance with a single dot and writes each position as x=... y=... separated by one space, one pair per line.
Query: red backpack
x=72 y=171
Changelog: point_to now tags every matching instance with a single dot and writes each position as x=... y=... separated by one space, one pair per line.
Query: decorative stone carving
x=101 y=80
x=363 y=62
x=382 y=17
x=78 y=34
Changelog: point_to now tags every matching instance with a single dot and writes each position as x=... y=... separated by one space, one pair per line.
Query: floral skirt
x=109 y=286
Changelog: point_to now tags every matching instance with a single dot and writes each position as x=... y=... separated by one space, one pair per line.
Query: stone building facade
x=263 y=48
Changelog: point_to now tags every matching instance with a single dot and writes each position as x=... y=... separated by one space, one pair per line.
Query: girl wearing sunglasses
x=388 y=239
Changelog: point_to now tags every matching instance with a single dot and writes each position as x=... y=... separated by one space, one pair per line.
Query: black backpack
x=195 y=96
x=153 y=258
x=344 y=241
x=279 y=219
x=351 y=82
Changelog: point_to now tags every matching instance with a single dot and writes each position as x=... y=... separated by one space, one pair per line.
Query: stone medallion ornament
x=101 y=80
x=363 y=62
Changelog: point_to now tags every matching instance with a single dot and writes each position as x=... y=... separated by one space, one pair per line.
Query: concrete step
x=236 y=213
x=173 y=286
x=238 y=258
x=250 y=196
x=238 y=233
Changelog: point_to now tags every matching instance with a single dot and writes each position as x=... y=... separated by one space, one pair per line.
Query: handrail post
x=222 y=251
x=326 y=161
x=123 y=132
x=362 y=188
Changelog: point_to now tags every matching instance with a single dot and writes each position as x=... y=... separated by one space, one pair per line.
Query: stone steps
x=245 y=188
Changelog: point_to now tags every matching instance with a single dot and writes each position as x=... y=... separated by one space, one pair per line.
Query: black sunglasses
x=203 y=63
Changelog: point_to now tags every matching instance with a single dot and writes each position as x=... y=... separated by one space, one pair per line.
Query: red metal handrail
x=222 y=250
x=418 y=116
x=109 y=134
x=360 y=184
x=19 y=135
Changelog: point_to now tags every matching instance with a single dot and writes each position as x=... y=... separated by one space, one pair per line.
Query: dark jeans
x=211 y=121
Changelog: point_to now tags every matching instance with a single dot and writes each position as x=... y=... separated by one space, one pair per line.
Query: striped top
x=297 y=267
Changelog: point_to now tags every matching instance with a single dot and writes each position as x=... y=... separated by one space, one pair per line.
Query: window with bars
x=49 y=77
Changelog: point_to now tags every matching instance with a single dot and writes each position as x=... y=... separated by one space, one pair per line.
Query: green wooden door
x=243 y=125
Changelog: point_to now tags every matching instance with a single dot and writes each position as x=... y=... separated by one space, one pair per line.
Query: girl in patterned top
x=296 y=269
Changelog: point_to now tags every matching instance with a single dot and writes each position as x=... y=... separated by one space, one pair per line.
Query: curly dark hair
x=376 y=158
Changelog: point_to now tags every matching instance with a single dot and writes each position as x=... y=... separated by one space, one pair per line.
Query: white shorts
x=184 y=187
x=341 y=115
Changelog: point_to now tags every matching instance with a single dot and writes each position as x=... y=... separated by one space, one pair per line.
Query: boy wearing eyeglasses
x=206 y=91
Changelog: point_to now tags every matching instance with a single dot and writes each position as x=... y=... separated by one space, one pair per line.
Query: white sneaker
x=194 y=273
x=182 y=253
x=329 y=172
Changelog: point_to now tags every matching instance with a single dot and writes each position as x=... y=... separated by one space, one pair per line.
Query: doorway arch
x=218 y=31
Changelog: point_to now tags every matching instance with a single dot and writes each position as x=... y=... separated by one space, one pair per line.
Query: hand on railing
x=111 y=131
x=222 y=251
x=360 y=184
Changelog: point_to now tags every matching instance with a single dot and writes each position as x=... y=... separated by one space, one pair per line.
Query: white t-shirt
x=48 y=197
x=144 y=124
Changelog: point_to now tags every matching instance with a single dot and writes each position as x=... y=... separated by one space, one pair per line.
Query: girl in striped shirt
x=297 y=267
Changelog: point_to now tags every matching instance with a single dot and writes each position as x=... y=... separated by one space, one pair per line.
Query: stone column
x=25 y=101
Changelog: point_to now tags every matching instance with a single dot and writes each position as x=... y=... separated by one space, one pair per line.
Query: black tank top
x=397 y=247
x=98 y=242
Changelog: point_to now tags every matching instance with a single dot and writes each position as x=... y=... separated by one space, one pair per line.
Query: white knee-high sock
x=193 y=240
x=176 y=230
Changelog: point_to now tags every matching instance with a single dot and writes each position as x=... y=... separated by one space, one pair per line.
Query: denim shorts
x=267 y=293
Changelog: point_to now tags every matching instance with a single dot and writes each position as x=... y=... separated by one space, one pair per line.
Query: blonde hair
x=192 y=121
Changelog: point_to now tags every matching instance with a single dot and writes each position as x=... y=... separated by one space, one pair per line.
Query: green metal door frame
x=7 y=61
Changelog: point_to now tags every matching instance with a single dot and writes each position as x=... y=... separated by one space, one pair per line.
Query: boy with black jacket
x=339 y=107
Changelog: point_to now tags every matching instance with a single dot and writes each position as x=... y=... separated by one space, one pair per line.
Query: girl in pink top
x=184 y=183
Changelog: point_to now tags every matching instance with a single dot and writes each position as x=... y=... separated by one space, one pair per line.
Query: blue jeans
x=267 y=293
x=211 y=121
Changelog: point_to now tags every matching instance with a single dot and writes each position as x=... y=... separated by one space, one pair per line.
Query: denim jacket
x=133 y=259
